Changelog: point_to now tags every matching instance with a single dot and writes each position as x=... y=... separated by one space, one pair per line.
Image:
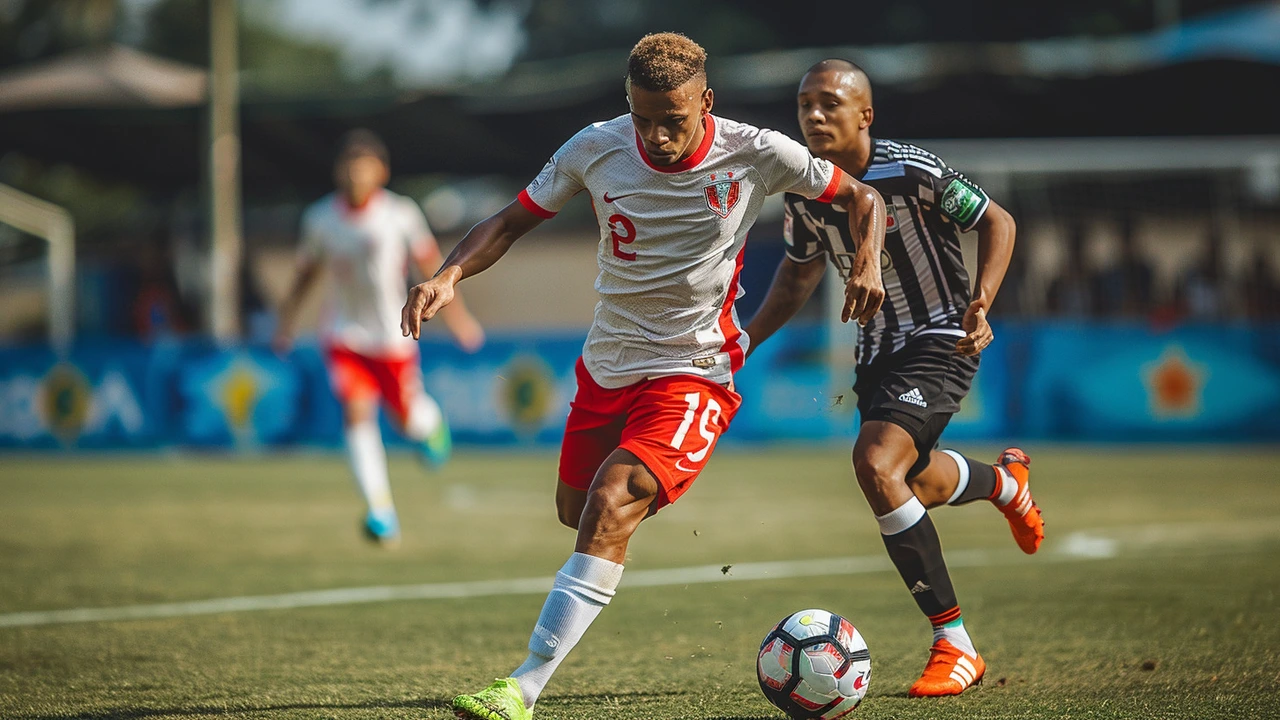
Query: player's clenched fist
x=977 y=330
x=862 y=296
x=425 y=300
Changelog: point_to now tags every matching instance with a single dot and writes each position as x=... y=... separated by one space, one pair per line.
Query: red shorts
x=671 y=423
x=397 y=380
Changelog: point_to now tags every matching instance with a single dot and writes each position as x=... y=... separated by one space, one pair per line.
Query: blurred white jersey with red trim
x=671 y=240
x=367 y=252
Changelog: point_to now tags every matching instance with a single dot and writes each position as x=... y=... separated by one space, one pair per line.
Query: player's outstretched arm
x=287 y=314
x=793 y=284
x=464 y=326
x=996 y=231
x=864 y=292
x=483 y=245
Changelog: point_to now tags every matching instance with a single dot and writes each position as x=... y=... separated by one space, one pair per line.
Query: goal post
x=53 y=224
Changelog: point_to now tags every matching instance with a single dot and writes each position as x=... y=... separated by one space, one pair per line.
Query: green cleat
x=435 y=449
x=500 y=701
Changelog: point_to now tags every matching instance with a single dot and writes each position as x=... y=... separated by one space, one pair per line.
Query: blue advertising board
x=1133 y=382
x=1089 y=382
x=98 y=397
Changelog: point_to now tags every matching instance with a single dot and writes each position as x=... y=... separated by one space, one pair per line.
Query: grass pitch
x=1155 y=595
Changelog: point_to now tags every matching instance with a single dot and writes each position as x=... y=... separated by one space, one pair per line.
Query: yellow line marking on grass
x=1076 y=547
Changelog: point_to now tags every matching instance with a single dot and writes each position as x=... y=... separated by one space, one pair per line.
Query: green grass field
x=1155 y=595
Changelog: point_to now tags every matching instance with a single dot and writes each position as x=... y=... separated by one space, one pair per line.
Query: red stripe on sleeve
x=534 y=207
x=832 y=187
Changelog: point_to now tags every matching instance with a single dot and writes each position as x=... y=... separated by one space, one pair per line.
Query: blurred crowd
x=1126 y=288
x=1127 y=284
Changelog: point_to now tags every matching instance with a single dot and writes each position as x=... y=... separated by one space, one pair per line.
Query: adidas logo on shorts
x=914 y=397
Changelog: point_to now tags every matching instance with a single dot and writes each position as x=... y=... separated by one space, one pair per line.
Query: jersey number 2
x=624 y=233
x=710 y=416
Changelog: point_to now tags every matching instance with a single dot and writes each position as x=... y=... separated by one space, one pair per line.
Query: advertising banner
x=1088 y=382
x=98 y=397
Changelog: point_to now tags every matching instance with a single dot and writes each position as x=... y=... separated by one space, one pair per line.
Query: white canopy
x=108 y=77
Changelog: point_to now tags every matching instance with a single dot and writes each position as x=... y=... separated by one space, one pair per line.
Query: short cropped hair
x=661 y=62
x=361 y=143
x=838 y=65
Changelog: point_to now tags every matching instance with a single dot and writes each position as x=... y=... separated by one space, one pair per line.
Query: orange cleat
x=948 y=672
x=1022 y=512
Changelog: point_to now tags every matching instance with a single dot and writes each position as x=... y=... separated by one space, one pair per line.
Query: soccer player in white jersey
x=675 y=191
x=365 y=236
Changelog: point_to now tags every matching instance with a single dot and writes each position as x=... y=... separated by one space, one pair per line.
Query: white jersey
x=671 y=240
x=367 y=251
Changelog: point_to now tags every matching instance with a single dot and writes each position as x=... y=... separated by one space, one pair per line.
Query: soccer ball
x=814 y=665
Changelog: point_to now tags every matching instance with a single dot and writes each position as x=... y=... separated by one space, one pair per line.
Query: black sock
x=981 y=479
x=917 y=553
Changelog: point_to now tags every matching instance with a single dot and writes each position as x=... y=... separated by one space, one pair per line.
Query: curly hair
x=664 y=61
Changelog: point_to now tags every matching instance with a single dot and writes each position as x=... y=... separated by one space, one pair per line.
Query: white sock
x=1008 y=487
x=955 y=633
x=903 y=518
x=582 y=588
x=424 y=417
x=369 y=463
x=962 y=466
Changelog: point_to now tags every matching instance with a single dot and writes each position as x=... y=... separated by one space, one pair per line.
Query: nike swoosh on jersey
x=616 y=197
x=683 y=468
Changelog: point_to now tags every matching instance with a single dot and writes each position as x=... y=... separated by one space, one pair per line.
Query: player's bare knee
x=356 y=412
x=877 y=471
x=615 y=507
x=612 y=512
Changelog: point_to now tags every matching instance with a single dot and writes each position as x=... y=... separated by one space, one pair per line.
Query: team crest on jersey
x=722 y=194
x=890 y=218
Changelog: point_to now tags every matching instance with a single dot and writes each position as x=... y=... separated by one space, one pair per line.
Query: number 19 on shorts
x=707 y=427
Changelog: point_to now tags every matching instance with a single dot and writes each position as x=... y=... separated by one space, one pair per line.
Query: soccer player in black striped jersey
x=917 y=356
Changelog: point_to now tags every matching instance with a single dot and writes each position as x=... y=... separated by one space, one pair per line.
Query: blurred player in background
x=365 y=235
x=918 y=355
x=675 y=190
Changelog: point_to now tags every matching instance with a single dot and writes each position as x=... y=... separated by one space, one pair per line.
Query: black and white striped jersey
x=928 y=205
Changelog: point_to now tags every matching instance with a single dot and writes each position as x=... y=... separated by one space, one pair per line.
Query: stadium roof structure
x=1247 y=34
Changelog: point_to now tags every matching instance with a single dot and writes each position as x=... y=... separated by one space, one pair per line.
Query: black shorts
x=917 y=388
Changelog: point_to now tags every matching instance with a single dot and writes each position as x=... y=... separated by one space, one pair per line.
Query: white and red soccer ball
x=814 y=665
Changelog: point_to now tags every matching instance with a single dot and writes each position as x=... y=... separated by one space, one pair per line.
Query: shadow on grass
x=598 y=698
x=143 y=713
x=423 y=704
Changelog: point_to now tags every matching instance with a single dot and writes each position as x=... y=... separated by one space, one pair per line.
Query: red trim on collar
x=691 y=162
x=347 y=209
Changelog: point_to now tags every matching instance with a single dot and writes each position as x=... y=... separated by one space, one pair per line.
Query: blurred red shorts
x=396 y=380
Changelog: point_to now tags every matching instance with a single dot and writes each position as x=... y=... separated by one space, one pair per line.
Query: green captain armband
x=962 y=201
